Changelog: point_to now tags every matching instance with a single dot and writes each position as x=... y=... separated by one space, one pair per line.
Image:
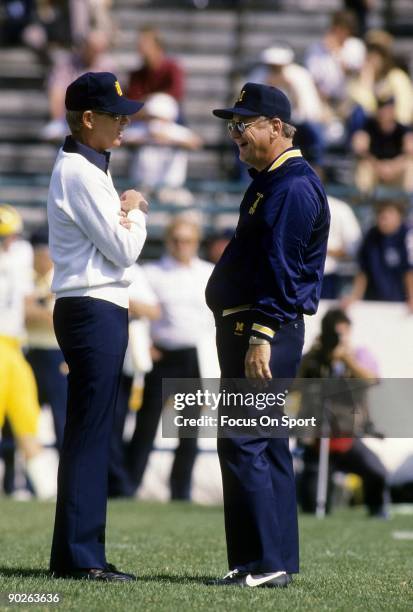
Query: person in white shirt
x=94 y=238
x=279 y=69
x=161 y=158
x=143 y=308
x=178 y=279
x=343 y=241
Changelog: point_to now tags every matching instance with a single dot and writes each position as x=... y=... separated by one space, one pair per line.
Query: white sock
x=42 y=471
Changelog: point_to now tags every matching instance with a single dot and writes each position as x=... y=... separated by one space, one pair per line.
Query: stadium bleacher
x=216 y=47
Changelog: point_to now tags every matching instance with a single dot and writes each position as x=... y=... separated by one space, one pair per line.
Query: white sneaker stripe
x=254 y=582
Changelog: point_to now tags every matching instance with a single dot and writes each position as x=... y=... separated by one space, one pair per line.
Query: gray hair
x=74 y=120
x=288 y=131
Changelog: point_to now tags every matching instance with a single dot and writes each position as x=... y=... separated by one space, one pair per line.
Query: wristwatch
x=257 y=340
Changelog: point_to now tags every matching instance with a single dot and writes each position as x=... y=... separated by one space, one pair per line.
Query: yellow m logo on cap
x=241 y=96
x=118 y=88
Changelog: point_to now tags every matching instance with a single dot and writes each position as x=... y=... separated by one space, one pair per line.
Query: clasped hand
x=131 y=200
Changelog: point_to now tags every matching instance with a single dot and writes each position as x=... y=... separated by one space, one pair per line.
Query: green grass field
x=348 y=562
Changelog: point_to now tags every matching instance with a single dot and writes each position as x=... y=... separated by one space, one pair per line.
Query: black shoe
x=108 y=574
x=242 y=579
x=112 y=568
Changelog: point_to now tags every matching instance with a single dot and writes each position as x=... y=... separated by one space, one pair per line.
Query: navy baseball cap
x=255 y=99
x=99 y=91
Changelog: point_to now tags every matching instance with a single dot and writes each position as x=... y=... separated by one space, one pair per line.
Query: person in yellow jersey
x=18 y=393
x=44 y=354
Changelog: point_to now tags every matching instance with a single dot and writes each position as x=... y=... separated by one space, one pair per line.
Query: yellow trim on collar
x=283 y=158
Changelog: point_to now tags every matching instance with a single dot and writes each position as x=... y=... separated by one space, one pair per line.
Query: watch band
x=257 y=340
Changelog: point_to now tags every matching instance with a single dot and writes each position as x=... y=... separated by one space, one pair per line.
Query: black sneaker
x=242 y=579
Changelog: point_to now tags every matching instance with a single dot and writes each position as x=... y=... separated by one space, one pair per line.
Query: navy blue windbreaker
x=274 y=264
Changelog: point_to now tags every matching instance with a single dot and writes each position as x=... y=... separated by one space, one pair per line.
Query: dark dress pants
x=93 y=336
x=360 y=460
x=51 y=385
x=180 y=363
x=120 y=484
x=257 y=473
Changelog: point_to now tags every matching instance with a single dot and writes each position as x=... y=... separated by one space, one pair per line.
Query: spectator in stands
x=381 y=78
x=143 y=308
x=89 y=15
x=361 y=9
x=330 y=61
x=385 y=259
x=18 y=393
x=158 y=73
x=334 y=357
x=381 y=38
x=38 y=24
x=278 y=69
x=324 y=59
x=161 y=159
x=90 y=56
x=343 y=242
x=16 y=16
x=384 y=148
x=178 y=280
x=44 y=355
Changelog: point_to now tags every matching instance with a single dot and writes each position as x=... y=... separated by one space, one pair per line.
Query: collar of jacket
x=277 y=162
x=100 y=160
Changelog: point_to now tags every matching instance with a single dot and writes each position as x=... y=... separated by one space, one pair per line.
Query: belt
x=245 y=307
x=230 y=311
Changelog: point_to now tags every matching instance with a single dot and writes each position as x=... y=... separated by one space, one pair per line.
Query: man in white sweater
x=95 y=237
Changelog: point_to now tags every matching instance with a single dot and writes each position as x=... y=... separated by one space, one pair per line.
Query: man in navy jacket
x=268 y=276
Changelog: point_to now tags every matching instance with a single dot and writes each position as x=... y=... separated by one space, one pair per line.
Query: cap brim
x=228 y=113
x=123 y=106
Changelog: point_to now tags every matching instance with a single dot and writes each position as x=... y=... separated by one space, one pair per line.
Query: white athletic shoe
x=237 y=578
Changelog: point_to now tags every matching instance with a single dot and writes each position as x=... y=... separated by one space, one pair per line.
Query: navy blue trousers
x=120 y=484
x=93 y=336
x=257 y=473
x=51 y=385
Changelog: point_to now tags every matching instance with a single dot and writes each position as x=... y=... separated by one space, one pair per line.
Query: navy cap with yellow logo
x=256 y=99
x=99 y=91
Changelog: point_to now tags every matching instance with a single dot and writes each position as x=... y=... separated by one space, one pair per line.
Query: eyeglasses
x=240 y=126
x=182 y=240
x=113 y=116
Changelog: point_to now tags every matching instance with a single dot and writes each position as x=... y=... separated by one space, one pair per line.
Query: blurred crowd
x=350 y=92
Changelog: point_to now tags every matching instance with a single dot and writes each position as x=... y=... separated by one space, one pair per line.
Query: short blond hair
x=178 y=221
x=74 y=120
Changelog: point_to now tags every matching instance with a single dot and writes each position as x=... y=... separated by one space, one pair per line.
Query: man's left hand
x=124 y=221
x=257 y=362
